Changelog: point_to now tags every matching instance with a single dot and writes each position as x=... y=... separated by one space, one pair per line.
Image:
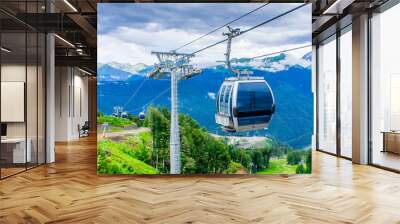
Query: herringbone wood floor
x=70 y=191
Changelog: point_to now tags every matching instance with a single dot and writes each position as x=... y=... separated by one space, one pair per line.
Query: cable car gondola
x=244 y=104
x=142 y=116
x=124 y=115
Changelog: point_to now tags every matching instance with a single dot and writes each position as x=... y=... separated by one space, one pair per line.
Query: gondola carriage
x=124 y=115
x=142 y=116
x=244 y=104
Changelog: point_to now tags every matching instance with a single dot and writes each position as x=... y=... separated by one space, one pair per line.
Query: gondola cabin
x=142 y=116
x=124 y=115
x=244 y=104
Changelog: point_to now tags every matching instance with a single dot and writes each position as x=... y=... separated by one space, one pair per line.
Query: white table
x=19 y=153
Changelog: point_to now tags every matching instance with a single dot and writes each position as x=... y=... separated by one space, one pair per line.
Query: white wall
x=61 y=103
x=71 y=102
x=12 y=73
x=33 y=126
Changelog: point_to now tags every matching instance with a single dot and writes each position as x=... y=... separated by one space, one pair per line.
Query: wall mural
x=204 y=88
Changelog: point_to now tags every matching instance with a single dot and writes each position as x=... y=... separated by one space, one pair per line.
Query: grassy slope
x=279 y=166
x=116 y=129
x=114 y=121
x=112 y=158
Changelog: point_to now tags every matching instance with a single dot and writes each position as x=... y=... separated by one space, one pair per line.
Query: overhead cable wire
x=274 y=18
x=153 y=99
x=220 y=27
x=209 y=46
x=282 y=51
x=136 y=91
x=252 y=28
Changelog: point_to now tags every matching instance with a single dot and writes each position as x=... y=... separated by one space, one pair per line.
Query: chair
x=84 y=130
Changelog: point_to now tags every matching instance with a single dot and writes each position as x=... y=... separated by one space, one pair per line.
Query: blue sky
x=128 y=32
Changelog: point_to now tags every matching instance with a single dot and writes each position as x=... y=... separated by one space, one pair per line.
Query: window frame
x=334 y=37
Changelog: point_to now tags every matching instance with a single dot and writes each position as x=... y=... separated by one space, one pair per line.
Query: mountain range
x=288 y=76
x=115 y=71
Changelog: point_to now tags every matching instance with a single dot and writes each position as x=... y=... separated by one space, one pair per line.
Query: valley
x=142 y=147
x=292 y=123
x=135 y=146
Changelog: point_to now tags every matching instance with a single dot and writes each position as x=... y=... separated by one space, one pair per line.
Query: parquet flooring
x=69 y=191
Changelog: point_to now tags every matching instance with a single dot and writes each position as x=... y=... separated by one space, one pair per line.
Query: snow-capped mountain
x=277 y=63
x=134 y=69
x=290 y=80
x=115 y=71
x=106 y=72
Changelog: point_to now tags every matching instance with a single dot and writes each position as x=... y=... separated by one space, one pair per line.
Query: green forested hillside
x=148 y=152
x=120 y=158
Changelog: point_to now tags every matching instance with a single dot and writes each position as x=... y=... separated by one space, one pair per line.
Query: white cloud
x=130 y=45
x=134 y=45
x=111 y=48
